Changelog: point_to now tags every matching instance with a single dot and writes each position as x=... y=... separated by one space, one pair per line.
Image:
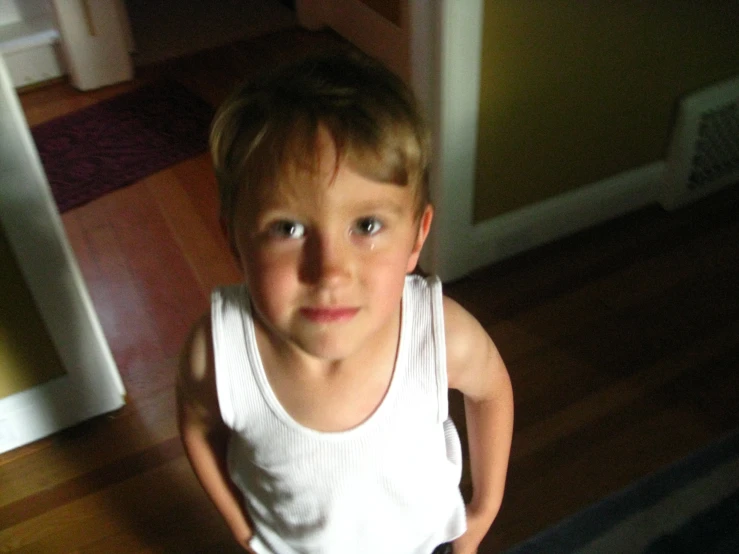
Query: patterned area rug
x=692 y=507
x=121 y=140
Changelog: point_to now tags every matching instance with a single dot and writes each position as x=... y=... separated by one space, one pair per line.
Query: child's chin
x=329 y=353
x=329 y=349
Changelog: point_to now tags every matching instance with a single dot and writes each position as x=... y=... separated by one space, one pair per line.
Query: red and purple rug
x=119 y=141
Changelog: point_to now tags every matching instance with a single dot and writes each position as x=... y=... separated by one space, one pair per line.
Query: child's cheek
x=269 y=271
x=277 y=267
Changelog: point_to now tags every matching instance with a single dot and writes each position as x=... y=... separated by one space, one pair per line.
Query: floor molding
x=512 y=233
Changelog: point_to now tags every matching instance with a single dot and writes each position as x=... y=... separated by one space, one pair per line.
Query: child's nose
x=328 y=260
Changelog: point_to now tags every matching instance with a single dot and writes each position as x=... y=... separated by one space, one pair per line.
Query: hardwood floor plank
x=197 y=178
x=162 y=509
x=594 y=462
x=592 y=407
x=203 y=251
x=90 y=482
x=119 y=302
x=170 y=292
x=145 y=422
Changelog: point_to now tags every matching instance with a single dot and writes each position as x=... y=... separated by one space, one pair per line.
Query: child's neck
x=330 y=395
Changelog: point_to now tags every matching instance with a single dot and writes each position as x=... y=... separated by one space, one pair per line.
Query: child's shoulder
x=464 y=333
x=473 y=361
x=461 y=327
x=197 y=352
x=196 y=373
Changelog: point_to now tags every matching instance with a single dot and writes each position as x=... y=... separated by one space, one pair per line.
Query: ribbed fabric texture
x=390 y=485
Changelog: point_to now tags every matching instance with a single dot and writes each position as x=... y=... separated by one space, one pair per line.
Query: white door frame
x=92 y=385
x=446 y=50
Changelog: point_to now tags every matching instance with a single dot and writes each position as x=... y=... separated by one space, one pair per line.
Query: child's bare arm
x=203 y=433
x=476 y=369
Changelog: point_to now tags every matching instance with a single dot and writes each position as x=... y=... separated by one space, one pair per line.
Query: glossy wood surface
x=622 y=343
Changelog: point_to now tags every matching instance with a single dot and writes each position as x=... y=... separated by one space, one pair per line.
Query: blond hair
x=270 y=125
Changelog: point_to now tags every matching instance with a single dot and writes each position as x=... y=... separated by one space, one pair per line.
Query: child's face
x=325 y=256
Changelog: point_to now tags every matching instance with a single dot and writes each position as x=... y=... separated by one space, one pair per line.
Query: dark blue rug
x=690 y=507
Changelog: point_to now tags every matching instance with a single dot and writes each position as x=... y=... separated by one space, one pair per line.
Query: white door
x=91 y=385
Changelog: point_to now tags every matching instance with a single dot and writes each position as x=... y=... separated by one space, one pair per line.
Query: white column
x=94 y=41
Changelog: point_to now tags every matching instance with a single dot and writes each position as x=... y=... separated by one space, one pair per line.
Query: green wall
x=27 y=355
x=573 y=92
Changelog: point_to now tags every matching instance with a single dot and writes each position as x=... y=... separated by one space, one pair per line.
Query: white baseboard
x=34 y=65
x=512 y=233
x=31 y=51
x=38 y=412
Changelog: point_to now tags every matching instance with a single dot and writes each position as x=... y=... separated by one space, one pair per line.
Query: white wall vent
x=704 y=150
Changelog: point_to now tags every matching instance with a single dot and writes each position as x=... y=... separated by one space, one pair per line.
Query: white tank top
x=389 y=485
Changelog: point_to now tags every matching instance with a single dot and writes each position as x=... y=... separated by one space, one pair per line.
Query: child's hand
x=246 y=547
x=477 y=527
x=244 y=543
x=242 y=533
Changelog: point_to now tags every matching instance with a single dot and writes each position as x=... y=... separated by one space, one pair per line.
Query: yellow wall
x=27 y=356
x=573 y=92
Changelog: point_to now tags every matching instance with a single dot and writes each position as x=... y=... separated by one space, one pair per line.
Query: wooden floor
x=622 y=343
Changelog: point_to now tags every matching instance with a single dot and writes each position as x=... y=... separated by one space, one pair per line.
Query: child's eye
x=287 y=229
x=367 y=226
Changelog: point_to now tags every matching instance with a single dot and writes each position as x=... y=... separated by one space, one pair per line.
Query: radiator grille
x=717 y=148
x=704 y=149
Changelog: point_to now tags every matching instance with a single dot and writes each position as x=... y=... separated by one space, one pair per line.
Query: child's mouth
x=328 y=315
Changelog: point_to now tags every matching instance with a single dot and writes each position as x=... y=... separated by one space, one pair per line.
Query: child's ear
x=424 y=226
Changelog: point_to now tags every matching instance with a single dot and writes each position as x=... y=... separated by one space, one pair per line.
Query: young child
x=313 y=397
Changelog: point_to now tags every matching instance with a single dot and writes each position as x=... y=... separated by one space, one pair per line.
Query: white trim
x=27 y=34
x=45 y=409
x=34 y=64
x=557 y=217
x=30 y=49
x=454 y=108
x=422 y=51
x=473 y=246
x=36 y=234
